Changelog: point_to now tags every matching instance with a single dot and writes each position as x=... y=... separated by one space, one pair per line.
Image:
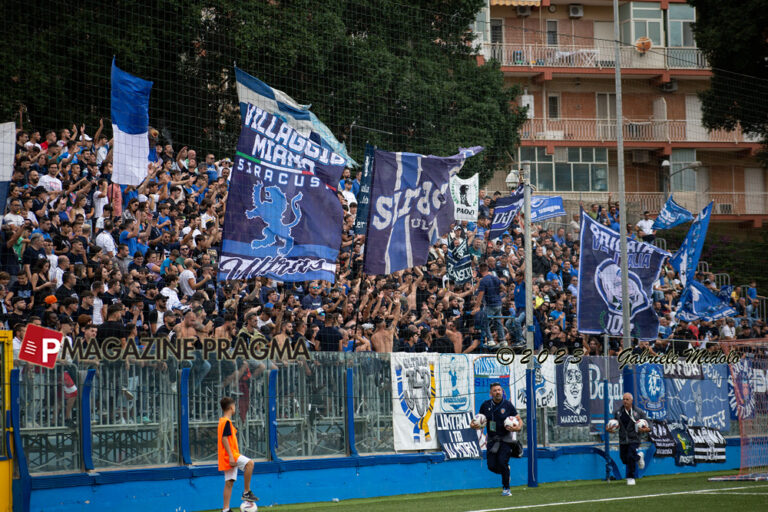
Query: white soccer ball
x=641 y=424
x=248 y=506
x=613 y=425
x=511 y=422
x=480 y=420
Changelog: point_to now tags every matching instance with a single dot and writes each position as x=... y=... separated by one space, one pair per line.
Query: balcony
x=642 y=130
x=726 y=203
x=600 y=56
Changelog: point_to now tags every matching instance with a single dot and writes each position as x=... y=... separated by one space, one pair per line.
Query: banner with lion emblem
x=599 y=305
x=414 y=392
x=283 y=218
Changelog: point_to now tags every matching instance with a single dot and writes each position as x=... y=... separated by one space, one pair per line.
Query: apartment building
x=562 y=55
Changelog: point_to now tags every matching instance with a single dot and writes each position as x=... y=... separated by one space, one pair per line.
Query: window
x=681 y=18
x=553 y=106
x=682 y=180
x=552 y=32
x=497 y=31
x=585 y=171
x=641 y=19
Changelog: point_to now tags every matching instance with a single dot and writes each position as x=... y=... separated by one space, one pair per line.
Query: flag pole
x=626 y=327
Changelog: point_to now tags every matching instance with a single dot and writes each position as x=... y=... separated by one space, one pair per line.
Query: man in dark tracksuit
x=501 y=443
x=629 y=437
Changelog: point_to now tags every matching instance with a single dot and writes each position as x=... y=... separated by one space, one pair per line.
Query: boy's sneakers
x=506 y=492
x=249 y=496
x=641 y=462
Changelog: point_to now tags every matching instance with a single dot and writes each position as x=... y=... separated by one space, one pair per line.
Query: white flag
x=465 y=197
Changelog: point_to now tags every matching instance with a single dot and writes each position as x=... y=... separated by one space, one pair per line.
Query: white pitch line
x=622 y=498
x=739 y=493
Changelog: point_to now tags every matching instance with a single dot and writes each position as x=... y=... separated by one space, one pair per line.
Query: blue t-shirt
x=520 y=297
x=752 y=293
x=490 y=285
x=132 y=243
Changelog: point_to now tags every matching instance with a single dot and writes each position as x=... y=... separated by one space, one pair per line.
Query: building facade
x=562 y=55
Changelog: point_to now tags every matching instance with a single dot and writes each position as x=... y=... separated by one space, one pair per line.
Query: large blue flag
x=411 y=207
x=686 y=259
x=459 y=262
x=283 y=218
x=599 y=304
x=671 y=215
x=130 y=127
x=546 y=207
x=252 y=90
x=505 y=210
x=697 y=301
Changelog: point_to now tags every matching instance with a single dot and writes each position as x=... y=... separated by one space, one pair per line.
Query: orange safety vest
x=232 y=440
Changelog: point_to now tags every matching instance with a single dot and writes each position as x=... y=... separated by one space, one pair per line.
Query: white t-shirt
x=349 y=196
x=99 y=202
x=194 y=234
x=107 y=243
x=173 y=297
x=51 y=184
x=184 y=277
x=13 y=219
x=97 y=305
x=646 y=226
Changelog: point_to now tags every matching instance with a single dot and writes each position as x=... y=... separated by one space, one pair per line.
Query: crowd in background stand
x=95 y=259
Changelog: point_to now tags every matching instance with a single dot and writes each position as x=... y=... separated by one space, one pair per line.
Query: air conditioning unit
x=641 y=156
x=561 y=155
x=576 y=11
x=670 y=86
x=523 y=11
x=725 y=208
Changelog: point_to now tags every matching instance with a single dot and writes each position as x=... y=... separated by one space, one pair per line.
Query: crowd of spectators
x=94 y=259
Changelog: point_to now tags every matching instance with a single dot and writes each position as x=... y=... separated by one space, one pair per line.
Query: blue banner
x=457 y=439
x=283 y=218
x=412 y=208
x=505 y=210
x=671 y=215
x=573 y=400
x=741 y=391
x=599 y=368
x=599 y=301
x=364 y=197
x=651 y=394
x=700 y=401
x=684 y=448
x=546 y=207
x=686 y=259
x=459 y=262
x=698 y=302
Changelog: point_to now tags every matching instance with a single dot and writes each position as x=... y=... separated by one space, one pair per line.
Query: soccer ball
x=641 y=424
x=248 y=506
x=613 y=425
x=480 y=420
x=511 y=422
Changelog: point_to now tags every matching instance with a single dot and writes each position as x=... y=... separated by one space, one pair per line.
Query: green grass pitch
x=691 y=491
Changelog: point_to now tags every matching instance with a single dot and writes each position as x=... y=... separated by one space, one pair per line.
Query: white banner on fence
x=455 y=377
x=414 y=384
x=546 y=389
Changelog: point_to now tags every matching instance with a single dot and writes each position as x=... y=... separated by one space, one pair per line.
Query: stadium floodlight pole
x=626 y=327
x=530 y=372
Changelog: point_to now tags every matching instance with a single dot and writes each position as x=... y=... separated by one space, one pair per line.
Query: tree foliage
x=407 y=70
x=734 y=38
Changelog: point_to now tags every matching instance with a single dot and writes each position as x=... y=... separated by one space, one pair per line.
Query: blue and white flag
x=283 y=218
x=671 y=215
x=459 y=263
x=573 y=393
x=651 y=393
x=686 y=259
x=364 y=197
x=251 y=90
x=698 y=302
x=130 y=127
x=599 y=304
x=702 y=400
x=546 y=207
x=504 y=212
x=412 y=208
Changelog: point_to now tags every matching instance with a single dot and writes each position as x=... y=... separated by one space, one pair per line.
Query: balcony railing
x=726 y=203
x=602 y=130
x=599 y=56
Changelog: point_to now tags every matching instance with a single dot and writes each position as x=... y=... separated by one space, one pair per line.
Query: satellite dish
x=643 y=45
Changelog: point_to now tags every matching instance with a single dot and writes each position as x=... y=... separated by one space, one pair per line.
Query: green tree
x=734 y=38
x=407 y=70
